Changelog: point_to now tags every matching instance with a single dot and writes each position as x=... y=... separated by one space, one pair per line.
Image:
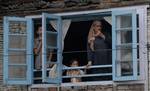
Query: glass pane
x=51 y=63
x=52 y=55
x=124 y=53
x=17 y=57
x=124 y=37
x=51 y=40
x=124 y=61
x=52 y=71
x=124 y=21
x=17 y=72
x=51 y=25
x=17 y=41
x=17 y=27
x=127 y=68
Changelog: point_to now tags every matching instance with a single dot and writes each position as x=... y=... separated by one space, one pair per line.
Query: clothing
x=53 y=72
x=100 y=55
x=38 y=55
x=75 y=73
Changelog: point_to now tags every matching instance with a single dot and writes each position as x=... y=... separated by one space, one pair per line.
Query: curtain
x=65 y=27
x=108 y=19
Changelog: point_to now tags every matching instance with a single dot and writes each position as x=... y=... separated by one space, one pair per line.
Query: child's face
x=74 y=64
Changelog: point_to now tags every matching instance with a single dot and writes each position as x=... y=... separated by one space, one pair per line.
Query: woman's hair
x=91 y=32
x=95 y=22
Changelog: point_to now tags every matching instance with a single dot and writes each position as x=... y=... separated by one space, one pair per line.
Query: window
x=17 y=50
x=51 y=45
x=65 y=37
x=125 y=45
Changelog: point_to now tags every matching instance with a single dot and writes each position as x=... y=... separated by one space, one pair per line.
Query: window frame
x=57 y=80
x=29 y=46
x=134 y=44
x=143 y=13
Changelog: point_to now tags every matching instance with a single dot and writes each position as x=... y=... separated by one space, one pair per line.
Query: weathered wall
x=148 y=26
x=23 y=7
x=29 y=8
x=89 y=88
x=124 y=87
x=133 y=87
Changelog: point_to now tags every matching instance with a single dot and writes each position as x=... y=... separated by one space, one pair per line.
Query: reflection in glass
x=126 y=68
x=17 y=57
x=124 y=37
x=52 y=55
x=124 y=61
x=51 y=64
x=124 y=21
x=17 y=27
x=51 y=40
x=17 y=41
x=17 y=72
x=124 y=53
x=53 y=72
x=51 y=25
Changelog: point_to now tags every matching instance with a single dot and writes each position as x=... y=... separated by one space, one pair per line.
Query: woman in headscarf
x=98 y=44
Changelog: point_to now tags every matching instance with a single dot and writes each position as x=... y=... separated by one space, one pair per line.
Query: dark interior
x=76 y=41
x=75 y=44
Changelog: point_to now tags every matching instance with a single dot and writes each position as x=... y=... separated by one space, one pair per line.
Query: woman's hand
x=102 y=35
x=89 y=64
x=35 y=51
x=92 y=39
x=99 y=33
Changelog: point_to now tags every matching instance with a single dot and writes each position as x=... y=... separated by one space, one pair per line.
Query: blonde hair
x=91 y=32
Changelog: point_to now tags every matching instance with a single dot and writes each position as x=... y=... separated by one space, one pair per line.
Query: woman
x=38 y=49
x=98 y=44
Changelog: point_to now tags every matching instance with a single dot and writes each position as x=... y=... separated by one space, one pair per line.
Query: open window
x=124 y=45
x=75 y=48
x=65 y=37
x=52 y=46
x=17 y=50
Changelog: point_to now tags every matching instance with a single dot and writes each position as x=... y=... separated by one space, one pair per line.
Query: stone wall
x=23 y=7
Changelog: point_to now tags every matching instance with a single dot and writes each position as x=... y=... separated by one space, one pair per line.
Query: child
x=75 y=72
